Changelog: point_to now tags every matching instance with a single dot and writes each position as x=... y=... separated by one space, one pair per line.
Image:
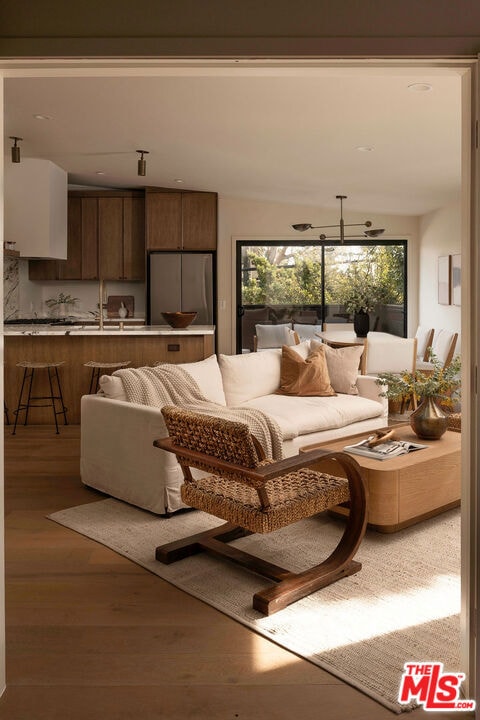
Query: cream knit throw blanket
x=168 y=384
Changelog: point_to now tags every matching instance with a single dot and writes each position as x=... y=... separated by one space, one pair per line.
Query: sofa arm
x=368 y=388
x=117 y=454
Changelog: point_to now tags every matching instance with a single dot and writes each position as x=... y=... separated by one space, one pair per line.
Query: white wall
x=252 y=220
x=440 y=234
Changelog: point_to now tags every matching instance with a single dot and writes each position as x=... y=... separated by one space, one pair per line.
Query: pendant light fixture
x=142 y=164
x=15 y=149
x=374 y=232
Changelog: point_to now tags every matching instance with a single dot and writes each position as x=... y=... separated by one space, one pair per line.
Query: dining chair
x=424 y=337
x=337 y=326
x=443 y=347
x=274 y=336
x=393 y=354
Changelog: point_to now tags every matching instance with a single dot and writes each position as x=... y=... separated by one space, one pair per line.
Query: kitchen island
x=78 y=344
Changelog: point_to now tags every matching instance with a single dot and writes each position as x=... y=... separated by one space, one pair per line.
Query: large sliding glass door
x=305 y=283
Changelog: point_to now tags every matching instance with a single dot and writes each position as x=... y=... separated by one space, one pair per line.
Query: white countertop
x=107 y=330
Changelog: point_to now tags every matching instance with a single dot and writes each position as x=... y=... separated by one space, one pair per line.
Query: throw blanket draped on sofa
x=168 y=384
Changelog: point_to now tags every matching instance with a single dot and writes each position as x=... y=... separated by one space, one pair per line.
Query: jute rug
x=402 y=606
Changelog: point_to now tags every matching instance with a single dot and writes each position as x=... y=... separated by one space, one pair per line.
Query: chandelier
x=374 y=232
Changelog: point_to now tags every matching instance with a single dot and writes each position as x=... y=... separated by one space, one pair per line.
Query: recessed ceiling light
x=364 y=148
x=178 y=180
x=420 y=87
x=100 y=172
x=39 y=116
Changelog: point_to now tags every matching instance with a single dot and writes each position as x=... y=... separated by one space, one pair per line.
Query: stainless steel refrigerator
x=180 y=281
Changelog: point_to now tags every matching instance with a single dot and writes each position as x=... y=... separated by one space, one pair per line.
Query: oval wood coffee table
x=407 y=489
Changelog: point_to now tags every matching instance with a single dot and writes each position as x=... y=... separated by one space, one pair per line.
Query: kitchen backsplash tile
x=11 y=287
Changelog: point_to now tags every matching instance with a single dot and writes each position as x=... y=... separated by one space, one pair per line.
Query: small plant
x=61 y=299
x=441 y=383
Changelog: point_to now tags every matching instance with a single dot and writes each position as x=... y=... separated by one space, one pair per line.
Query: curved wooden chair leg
x=339 y=563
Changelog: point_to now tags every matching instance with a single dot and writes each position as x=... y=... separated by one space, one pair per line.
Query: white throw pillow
x=303 y=349
x=209 y=378
x=272 y=336
x=205 y=372
x=250 y=375
x=343 y=364
x=112 y=387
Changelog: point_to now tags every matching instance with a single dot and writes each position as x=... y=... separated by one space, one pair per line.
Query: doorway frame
x=467 y=68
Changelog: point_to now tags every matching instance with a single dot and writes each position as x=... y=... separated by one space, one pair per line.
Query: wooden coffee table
x=407 y=489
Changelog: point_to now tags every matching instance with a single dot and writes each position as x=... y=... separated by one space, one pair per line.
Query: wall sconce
x=15 y=149
x=374 y=232
x=142 y=164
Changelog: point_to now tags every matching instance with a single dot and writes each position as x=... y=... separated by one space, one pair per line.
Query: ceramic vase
x=361 y=324
x=428 y=421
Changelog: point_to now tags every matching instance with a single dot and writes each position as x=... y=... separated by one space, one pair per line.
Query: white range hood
x=36 y=196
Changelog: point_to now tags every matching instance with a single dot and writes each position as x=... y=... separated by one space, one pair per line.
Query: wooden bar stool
x=53 y=398
x=103 y=368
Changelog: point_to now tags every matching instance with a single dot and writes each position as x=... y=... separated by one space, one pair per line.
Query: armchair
x=255 y=495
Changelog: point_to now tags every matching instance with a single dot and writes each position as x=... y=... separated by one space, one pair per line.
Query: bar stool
x=27 y=383
x=5 y=413
x=102 y=366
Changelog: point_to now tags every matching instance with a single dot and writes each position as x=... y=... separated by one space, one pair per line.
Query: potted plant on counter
x=436 y=389
x=61 y=304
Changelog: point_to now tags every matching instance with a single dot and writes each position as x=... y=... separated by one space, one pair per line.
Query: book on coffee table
x=383 y=451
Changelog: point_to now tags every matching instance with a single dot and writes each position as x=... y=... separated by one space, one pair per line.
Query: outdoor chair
x=255 y=495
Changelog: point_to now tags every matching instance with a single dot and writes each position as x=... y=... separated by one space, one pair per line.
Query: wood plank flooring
x=92 y=635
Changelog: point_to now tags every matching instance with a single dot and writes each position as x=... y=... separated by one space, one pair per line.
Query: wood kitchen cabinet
x=106 y=239
x=121 y=238
x=181 y=220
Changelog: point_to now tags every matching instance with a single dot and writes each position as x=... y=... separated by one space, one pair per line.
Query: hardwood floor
x=92 y=635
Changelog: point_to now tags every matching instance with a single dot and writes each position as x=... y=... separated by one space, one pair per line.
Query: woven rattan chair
x=255 y=495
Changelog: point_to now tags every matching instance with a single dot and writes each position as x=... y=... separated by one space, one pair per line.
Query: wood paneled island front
x=76 y=345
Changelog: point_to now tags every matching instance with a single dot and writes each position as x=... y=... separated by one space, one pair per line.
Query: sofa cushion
x=305 y=415
x=304 y=377
x=209 y=378
x=343 y=364
x=112 y=387
x=205 y=372
x=249 y=375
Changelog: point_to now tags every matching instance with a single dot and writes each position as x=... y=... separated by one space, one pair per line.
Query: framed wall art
x=444 y=280
x=456 y=279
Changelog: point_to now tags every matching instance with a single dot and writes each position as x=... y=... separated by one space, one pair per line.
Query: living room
x=272 y=219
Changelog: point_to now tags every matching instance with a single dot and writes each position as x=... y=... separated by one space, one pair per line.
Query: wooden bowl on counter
x=179 y=319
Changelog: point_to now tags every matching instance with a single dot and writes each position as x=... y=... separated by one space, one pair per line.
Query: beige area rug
x=402 y=606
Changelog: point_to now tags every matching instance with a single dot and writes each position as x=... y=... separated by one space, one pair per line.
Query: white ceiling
x=285 y=135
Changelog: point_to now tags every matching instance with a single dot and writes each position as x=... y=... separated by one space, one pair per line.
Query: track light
x=142 y=164
x=15 y=149
x=375 y=232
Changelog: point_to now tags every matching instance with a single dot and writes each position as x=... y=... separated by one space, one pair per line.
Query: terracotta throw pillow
x=304 y=377
x=342 y=364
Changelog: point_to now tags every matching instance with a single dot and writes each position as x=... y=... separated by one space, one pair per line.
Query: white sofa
x=117 y=453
